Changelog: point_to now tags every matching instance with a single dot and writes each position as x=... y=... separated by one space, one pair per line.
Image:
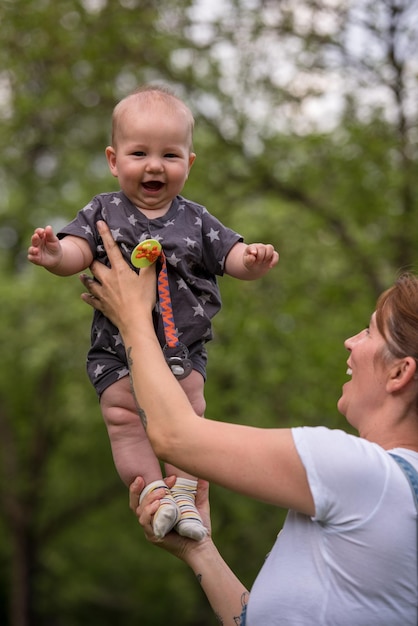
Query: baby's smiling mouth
x=153 y=185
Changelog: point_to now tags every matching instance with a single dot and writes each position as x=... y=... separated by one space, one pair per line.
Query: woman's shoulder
x=336 y=464
x=334 y=450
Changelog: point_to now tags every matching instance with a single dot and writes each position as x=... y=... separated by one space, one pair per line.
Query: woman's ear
x=401 y=373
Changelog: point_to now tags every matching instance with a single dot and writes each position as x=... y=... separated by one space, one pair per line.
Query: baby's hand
x=45 y=249
x=260 y=254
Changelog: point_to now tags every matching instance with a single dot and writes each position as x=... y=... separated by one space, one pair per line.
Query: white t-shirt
x=355 y=562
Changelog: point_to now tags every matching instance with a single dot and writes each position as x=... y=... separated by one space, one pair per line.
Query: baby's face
x=152 y=156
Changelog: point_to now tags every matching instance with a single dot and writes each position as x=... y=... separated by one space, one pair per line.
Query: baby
x=151 y=155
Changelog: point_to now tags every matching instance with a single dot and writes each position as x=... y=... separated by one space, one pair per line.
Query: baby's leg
x=184 y=490
x=132 y=452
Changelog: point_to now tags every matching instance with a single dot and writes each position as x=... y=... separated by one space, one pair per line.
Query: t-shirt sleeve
x=217 y=242
x=347 y=475
x=84 y=225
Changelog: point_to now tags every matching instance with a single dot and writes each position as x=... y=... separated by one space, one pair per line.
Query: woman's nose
x=347 y=343
x=350 y=341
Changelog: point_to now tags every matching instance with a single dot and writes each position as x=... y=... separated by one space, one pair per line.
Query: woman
x=347 y=554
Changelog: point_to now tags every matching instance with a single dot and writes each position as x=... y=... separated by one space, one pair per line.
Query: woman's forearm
x=157 y=393
x=226 y=594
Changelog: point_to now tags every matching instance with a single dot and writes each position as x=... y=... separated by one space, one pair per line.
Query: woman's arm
x=226 y=594
x=261 y=463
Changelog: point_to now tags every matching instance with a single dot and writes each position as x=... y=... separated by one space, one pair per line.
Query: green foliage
x=339 y=204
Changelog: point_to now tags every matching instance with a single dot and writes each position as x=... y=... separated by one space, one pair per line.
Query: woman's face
x=364 y=393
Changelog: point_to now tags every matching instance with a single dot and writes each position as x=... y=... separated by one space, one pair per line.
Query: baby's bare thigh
x=194 y=386
x=119 y=395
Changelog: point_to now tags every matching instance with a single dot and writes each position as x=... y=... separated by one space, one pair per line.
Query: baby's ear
x=111 y=160
x=192 y=158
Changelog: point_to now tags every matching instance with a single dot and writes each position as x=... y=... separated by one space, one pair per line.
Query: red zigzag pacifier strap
x=166 y=308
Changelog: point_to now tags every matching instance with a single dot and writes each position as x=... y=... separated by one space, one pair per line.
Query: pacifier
x=146 y=253
x=179 y=362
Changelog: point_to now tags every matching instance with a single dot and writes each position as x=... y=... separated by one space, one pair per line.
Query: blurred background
x=306 y=137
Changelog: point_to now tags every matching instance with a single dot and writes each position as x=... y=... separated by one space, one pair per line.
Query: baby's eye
x=139 y=153
x=170 y=155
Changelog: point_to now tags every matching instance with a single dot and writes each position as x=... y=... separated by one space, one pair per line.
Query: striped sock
x=168 y=513
x=190 y=524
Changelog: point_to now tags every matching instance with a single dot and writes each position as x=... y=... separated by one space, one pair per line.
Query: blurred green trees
x=306 y=136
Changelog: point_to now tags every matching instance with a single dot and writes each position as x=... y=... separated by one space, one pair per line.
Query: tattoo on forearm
x=142 y=416
x=239 y=620
x=141 y=412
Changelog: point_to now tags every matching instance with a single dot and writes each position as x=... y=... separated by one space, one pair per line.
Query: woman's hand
x=118 y=292
x=175 y=544
x=227 y=595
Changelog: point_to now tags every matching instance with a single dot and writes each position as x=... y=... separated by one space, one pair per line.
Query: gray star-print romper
x=195 y=244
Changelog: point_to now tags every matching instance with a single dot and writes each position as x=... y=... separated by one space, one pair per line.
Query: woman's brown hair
x=397 y=316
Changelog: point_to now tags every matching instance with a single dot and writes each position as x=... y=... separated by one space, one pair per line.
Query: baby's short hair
x=146 y=94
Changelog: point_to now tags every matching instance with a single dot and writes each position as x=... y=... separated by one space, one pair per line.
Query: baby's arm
x=61 y=257
x=249 y=262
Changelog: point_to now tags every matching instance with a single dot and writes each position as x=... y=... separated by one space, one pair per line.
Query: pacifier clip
x=176 y=353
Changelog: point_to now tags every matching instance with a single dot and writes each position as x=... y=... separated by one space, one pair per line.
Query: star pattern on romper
x=122 y=373
x=198 y=310
x=190 y=243
x=87 y=229
x=118 y=340
x=99 y=370
x=205 y=297
x=116 y=234
x=173 y=260
x=213 y=235
x=202 y=293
